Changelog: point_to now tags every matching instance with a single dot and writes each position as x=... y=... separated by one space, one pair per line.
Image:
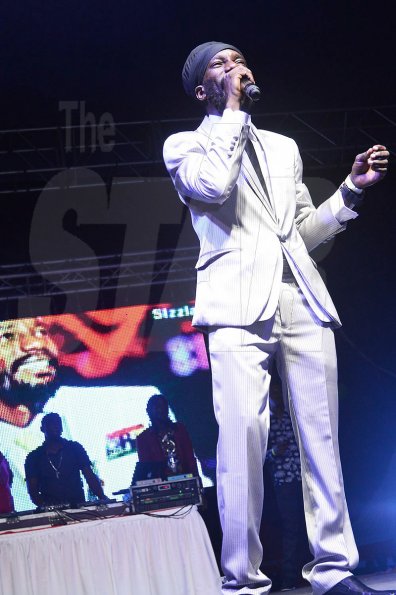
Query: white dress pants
x=306 y=359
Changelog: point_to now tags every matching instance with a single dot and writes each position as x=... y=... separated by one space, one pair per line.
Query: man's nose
x=229 y=65
x=31 y=343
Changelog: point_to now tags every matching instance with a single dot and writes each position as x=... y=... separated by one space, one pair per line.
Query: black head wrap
x=197 y=62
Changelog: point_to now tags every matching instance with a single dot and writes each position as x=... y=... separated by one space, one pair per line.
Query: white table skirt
x=133 y=555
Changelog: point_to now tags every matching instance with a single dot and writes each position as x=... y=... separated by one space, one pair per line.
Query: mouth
x=38 y=365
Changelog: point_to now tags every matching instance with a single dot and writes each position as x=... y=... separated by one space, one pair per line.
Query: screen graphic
x=97 y=370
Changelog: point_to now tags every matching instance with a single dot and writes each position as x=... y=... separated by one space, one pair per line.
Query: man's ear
x=200 y=93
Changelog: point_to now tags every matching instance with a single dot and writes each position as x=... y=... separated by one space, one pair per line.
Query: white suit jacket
x=245 y=234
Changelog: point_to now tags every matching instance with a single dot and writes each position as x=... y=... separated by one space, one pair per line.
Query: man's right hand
x=233 y=85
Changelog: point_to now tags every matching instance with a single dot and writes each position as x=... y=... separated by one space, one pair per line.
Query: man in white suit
x=259 y=298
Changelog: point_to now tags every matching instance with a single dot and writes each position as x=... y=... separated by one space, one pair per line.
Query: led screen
x=97 y=370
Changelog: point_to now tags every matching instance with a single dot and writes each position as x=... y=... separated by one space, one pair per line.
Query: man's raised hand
x=370 y=167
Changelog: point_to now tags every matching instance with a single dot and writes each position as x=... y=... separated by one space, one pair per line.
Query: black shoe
x=352 y=585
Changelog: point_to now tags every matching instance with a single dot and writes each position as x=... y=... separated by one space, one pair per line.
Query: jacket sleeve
x=4 y=472
x=186 y=451
x=149 y=448
x=321 y=224
x=207 y=168
x=143 y=448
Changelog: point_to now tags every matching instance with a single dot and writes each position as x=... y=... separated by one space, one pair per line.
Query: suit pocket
x=207 y=259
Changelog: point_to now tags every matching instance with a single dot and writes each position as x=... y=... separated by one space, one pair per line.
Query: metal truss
x=29 y=158
x=327 y=139
x=84 y=275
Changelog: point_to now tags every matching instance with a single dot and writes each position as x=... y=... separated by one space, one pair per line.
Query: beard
x=34 y=397
x=215 y=95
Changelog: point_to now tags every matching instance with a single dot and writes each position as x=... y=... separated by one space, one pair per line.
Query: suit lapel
x=264 y=164
x=250 y=176
x=264 y=194
x=247 y=170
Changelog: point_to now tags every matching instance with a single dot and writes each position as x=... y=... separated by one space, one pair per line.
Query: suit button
x=283 y=238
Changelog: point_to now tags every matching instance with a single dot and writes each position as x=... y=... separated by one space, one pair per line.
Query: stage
x=166 y=553
x=380 y=581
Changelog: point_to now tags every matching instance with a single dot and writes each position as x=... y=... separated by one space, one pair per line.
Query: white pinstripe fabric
x=240 y=359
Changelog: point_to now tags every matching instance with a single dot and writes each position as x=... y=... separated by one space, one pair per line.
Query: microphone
x=251 y=90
